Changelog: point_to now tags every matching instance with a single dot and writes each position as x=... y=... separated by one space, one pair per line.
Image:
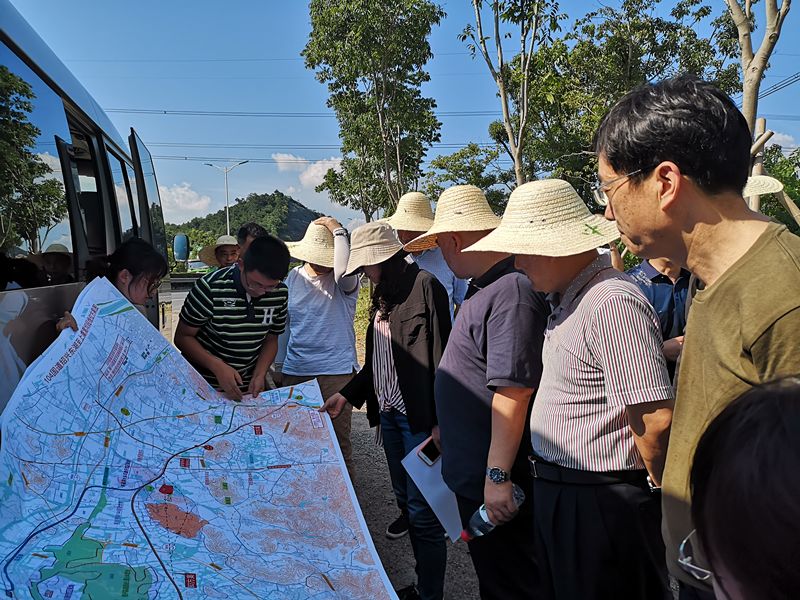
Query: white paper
x=440 y=497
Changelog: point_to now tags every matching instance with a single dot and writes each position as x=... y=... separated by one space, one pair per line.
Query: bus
x=71 y=189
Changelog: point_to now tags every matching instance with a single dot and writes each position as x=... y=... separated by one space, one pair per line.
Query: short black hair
x=684 y=120
x=269 y=256
x=745 y=490
x=250 y=229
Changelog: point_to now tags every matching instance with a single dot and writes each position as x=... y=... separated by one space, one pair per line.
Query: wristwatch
x=497 y=475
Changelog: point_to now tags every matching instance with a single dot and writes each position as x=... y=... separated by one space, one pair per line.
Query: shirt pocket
x=412 y=324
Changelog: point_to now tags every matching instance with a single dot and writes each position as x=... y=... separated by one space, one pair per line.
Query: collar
x=652 y=273
x=236 y=275
x=582 y=279
x=504 y=267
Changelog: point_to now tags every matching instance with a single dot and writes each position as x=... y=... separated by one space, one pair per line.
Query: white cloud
x=314 y=173
x=181 y=202
x=291 y=190
x=289 y=162
x=781 y=139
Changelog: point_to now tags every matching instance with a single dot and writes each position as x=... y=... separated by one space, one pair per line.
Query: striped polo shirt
x=601 y=354
x=232 y=325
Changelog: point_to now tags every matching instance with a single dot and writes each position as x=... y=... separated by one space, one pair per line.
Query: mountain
x=278 y=213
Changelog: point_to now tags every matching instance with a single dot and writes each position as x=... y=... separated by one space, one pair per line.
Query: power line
x=292 y=115
x=775 y=117
x=287 y=146
x=262 y=160
x=784 y=83
x=210 y=60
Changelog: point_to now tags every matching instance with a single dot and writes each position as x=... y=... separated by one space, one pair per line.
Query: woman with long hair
x=135 y=269
x=408 y=329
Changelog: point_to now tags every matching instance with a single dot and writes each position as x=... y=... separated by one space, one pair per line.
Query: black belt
x=558 y=474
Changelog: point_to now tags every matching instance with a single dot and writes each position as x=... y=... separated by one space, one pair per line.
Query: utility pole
x=227 y=170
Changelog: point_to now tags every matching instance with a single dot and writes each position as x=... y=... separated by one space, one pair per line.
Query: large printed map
x=124 y=475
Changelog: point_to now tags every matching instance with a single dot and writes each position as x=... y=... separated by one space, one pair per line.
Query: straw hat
x=460 y=208
x=413 y=213
x=547 y=218
x=208 y=254
x=316 y=247
x=759 y=185
x=371 y=244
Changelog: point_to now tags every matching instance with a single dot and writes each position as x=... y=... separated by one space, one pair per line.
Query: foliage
x=474 y=165
x=32 y=203
x=787 y=170
x=372 y=56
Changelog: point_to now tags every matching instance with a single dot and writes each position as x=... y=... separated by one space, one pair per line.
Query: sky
x=245 y=57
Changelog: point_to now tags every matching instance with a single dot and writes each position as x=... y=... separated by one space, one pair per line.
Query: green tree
x=474 y=165
x=32 y=203
x=372 y=56
x=786 y=169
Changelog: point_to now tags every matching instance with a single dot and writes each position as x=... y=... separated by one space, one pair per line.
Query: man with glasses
x=673 y=161
x=230 y=322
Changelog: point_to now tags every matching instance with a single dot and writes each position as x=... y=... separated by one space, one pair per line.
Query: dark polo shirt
x=496 y=342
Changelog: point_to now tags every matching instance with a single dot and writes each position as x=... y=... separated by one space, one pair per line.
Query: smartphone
x=429 y=453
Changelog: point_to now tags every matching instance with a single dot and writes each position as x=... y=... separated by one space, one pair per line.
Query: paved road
x=375 y=495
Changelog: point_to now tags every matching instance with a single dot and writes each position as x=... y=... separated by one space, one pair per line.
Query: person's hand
x=329 y=222
x=333 y=405
x=672 y=348
x=499 y=501
x=257 y=385
x=229 y=380
x=437 y=438
x=67 y=321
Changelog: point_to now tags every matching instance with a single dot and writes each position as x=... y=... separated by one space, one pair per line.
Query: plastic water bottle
x=479 y=523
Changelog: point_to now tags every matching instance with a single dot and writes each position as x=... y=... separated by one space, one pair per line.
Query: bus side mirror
x=180 y=246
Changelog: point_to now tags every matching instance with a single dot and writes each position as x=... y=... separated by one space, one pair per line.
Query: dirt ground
x=375 y=495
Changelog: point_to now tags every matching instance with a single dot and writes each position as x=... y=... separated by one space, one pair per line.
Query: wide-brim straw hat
x=460 y=208
x=208 y=254
x=316 y=247
x=413 y=213
x=371 y=244
x=547 y=218
x=760 y=185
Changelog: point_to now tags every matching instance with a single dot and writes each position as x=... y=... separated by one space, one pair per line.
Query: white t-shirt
x=321 y=338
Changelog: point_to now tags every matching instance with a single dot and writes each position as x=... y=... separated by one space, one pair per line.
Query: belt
x=558 y=474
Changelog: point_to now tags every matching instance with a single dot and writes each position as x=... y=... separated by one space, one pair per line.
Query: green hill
x=278 y=213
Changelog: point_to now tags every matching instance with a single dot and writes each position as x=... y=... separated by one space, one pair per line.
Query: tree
x=372 y=56
x=32 y=202
x=755 y=63
x=787 y=170
x=533 y=21
x=473 y=165
x=357 y=185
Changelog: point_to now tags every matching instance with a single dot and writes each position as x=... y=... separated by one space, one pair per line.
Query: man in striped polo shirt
x=601 y=416
x=230 y=322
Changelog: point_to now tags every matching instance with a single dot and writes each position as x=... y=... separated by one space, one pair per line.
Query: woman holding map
x=408 y=329
x=135 y=269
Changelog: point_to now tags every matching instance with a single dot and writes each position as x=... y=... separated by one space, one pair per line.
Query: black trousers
x=504 y=559
x=599 y=542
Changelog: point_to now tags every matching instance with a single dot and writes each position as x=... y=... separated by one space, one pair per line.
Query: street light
x=226 y=170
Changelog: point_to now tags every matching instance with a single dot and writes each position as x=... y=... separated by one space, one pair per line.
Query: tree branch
x=742 y=23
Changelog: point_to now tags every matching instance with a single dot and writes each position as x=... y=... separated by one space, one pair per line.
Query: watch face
x=497 y=475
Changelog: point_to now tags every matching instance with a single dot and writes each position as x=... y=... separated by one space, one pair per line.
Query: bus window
x=83 y=161
x=36 y=246
x=131 y=178
x=127 y=223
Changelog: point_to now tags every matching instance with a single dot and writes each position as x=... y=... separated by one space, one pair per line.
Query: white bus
x=71 y=189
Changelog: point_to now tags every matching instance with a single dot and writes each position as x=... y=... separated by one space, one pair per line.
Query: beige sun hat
x=760 y=185
x=208 y=254
x=371 y=244
x=460 y=208
x=413 y=213
x=316 y=247
x=547 y=218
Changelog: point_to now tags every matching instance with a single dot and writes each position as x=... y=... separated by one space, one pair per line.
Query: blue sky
x=244 y=56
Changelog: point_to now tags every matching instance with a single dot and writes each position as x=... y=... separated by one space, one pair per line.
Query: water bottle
x=479 y=523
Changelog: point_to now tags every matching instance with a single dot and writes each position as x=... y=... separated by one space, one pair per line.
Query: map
x=123 y=474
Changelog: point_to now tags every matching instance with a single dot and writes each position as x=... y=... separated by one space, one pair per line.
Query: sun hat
x=371 y=244
x=413 y=213
x=208 y=254
x=759 y=185
x=316 y=247
x=460 y=208
x=547 y=218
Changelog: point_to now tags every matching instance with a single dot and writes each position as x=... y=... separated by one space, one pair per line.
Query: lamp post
x=226 y=170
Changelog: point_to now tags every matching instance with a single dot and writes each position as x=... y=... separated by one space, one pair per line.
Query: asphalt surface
x=374 y=491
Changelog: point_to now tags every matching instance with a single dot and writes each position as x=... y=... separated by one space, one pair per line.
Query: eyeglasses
x=599 y=188
x=687 y=561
